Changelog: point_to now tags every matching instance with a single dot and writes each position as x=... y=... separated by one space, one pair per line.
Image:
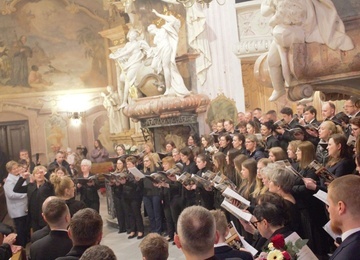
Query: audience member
x=328 y=111
x=57 y=243
x=99 y=153
x=85 y=230
x=196 y=233
x=5 y=246
x=100 y=252
x=154 y=247
x=351 y=107
x=222 y=249
x=344 y=211
x=60 y=161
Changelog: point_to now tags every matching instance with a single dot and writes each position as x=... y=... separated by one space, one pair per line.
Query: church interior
x=65 y=79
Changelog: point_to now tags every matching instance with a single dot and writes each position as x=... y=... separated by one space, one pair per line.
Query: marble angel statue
x=112 y=104
x=130 y=58
x=294 y=21
x=166 y=40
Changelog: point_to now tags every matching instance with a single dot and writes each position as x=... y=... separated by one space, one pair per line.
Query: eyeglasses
x=347 y=106
x=255 y=223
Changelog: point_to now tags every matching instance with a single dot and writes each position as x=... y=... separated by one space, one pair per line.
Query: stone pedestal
x=168 y=118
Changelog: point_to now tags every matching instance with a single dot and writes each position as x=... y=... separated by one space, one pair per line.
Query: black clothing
x=75 y=253
x=89 y=194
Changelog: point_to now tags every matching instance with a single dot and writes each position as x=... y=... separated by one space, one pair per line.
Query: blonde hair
x=60 y=184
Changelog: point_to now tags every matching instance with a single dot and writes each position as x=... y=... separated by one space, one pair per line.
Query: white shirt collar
x=348 y=233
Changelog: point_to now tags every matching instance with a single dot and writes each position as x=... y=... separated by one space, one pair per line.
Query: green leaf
x=301 y=242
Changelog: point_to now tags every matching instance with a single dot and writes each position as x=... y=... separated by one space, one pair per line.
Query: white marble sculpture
x=166 y=40
x=130 y=59
x=112 y=104
x=295 y=21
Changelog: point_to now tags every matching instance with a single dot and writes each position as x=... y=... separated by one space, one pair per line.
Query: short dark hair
x=98 y=252
x=311 y=109
x=154 y=247
x=273 y=214
x=86 y=227
x=287 y=111
x=54 y=210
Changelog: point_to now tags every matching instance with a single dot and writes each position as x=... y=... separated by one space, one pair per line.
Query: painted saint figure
x=166 y=40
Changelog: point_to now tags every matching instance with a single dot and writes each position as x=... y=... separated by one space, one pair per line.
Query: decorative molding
x=170 y=121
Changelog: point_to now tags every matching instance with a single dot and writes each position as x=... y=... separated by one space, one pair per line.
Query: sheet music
x=245 y=244
x=134 y=171
x=229 y=192
x=305 y=252
x=321 y=195
x=236 y=211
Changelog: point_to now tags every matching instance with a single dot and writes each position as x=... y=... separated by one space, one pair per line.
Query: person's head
x=39 y=174
x=229 y=125
x=98 y=144
x=85 y=228
x=355 y=126
x=231 y=155
x=56 y=213
x=249 y=170
x=300 y=109
x=131 y=161
x=85 y=166
x=328 y=110
x=309 y=114
x=193 y=139
x=186 y=155
x=64 y=187
x=238 y=162
x=351 y=106
x=305 y=154
x=120 y=149
x=221 y=224
x=257 y=113
x=60 y=157
x=267 y=128
x=252 y=127
x=154 y=247
x=207 y=140
x=120 y=165
x=168 y=162
x=277 y=154
x=251 y=142
x=196 y=232
x=225 y=140
x=238 y=141
x=169 y=146
x=344 y=203
x=270 y=217
x=149 y=148
x=337 y=146
x=240 y=117
x=61 y=171
x=281 y=181
x=149 y=162
x=242 y=127
x=98 y=252
x=201 y=161
x=12 y=167
x=219 y=161
x=24 y=154
x=262 y=163
x=271 y=115
x=327 y=128
x=248 y=116
x=176 y=155
x=286 y=114
x=220 y=125
x=291 y=149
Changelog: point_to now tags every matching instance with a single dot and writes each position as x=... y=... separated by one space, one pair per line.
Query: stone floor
x=123 y=247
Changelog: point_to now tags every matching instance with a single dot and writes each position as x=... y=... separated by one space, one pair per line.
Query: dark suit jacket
x=39 y=234
x=224 y=252
x=5 y=251
x=75 y=253
x=348 y=249
x=52 y=246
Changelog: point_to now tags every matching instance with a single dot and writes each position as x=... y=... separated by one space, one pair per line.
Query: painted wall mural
x=51 y=45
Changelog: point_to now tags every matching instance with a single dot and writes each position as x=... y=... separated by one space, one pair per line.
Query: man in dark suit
x=60 y=161
x=344 y=212
x=57 y=243
x=223 y=250
x=85 y=230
